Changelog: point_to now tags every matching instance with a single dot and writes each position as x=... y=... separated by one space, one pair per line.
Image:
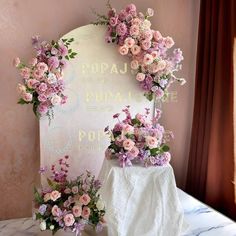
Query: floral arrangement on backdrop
x=138 y=140
x=69 y=204
x=43 y=84
x=151 y=59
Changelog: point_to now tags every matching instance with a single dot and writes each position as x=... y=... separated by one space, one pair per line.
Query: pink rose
x=147 y=35
x=129 y=42
x=25 y=72
x=122 y=15
x=56 y=210
x=42 y=98
x=86 y=213
x=77 y=210
x=134 y=64
x=134 y=30
x=153 y=68
x=63 y=50
x=113 y=21
x=75 y=189
x=140 y=117
x=140 y=77
x=158 y=91
x=136 y=21
x=131 y=8
x=134 y=152
x=55 y=100
x=55 y=195
x=84 y=199
x=146 y=44
x=42 y=67
x=154 y=54
x=27 y=97
x=128 y=144
x=37 y=74
x=46 y=197
x=151 y=142
x=69 y=220
x=161 y=65
x=135 y=50
x=169 y=42
x=33 y=61
x=127 y=129
x=53 y=62
x=21 y=88
x=123 y=50
x=150 y=12
x=147 y=59
x=157 y=35
x=16 y=61
x=42 y=109
x=42 y=87
x=54 y=51
x=31 y=83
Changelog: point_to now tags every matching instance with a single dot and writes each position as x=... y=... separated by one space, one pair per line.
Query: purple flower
x=147 y=83
x=131 y=9
x=63 y=50
x=124 y=159
x=163 y=159
x=99 y=227
x=42 y=209
x=53 y=62
x=122 y=15
x=42 y=109
x=118 y=127
x=78 y=227
x=121 y=29
x=113 y=21
x=43 y=170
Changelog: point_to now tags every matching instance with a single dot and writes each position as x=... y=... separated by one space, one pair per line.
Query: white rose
x=100 y=205
x=52 y=227
x=51 y=79
x=55 y=100
x=43 y=225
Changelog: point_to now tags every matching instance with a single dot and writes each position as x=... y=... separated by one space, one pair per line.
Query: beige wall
x=19 y=142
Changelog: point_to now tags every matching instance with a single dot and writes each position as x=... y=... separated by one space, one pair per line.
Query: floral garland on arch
x=138 y=140
x=43 y=84
x=151 y=58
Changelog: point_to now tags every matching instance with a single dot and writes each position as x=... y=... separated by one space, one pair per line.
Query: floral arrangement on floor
x=43 y=84
x=138 y=140
x=151 y=59
x=69 y=204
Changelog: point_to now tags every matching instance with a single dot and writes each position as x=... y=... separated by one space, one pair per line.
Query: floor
x=202 y=221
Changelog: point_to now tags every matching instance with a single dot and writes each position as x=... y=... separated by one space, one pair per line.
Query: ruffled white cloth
x=140 y=201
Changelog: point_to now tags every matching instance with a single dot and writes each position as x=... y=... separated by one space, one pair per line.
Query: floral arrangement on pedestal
x=43 y=84
x=138 y=140
x=69 y=204
x=154 y=64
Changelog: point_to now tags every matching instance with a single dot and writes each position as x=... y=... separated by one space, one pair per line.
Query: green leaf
x=136 y=122
x=64 y=40
x=21 y=101
x=70 y=50
x=154 y=151
x=38 y=198
x=67 y=57
x=165 y=148
x=149 y=96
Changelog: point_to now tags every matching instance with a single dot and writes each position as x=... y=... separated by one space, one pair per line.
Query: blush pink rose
x=21 y=88
x=55 y=100
x=140 y=77
x=129 y=42
x=134 y=64
x=135 y=49
x=161 y=65
x=77 y=210
x=31 y=83
x=63 y=50
x=55 y=195
x=147 y=59
x=86 y=213
x=46 y=197
x=75 y=189
x=16 y=61
x=157 y=35
x=140 y=117
x=25 y=72
x=123 y=50
x=153 y=68
x=67 y=191
x=136 y=21
x=154 y=54
x=69 y=220
x=85 y=199
x=42 y=98
x=53 y=62
x=42 y=109
x=113 y=21
x=27 y=97
x=146 y=44
x=169 y=42
x=147 y=35
x=42 y=67
x=151 y=142
x=128 y=144
x=134 y=30
x=37 y=74
x=56 y=210
x=127 y=129
x=134 y=152
x=42 y=87
x=158 y=92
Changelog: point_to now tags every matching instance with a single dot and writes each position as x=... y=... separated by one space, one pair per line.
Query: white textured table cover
x=141 y=201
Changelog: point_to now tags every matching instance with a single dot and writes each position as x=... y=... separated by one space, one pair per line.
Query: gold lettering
x=104 y=67
x=82 y=135
x=125 y=69
x=114 y=69
x=91 y=136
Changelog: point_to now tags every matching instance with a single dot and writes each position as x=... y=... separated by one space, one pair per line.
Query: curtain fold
x=211 y=162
